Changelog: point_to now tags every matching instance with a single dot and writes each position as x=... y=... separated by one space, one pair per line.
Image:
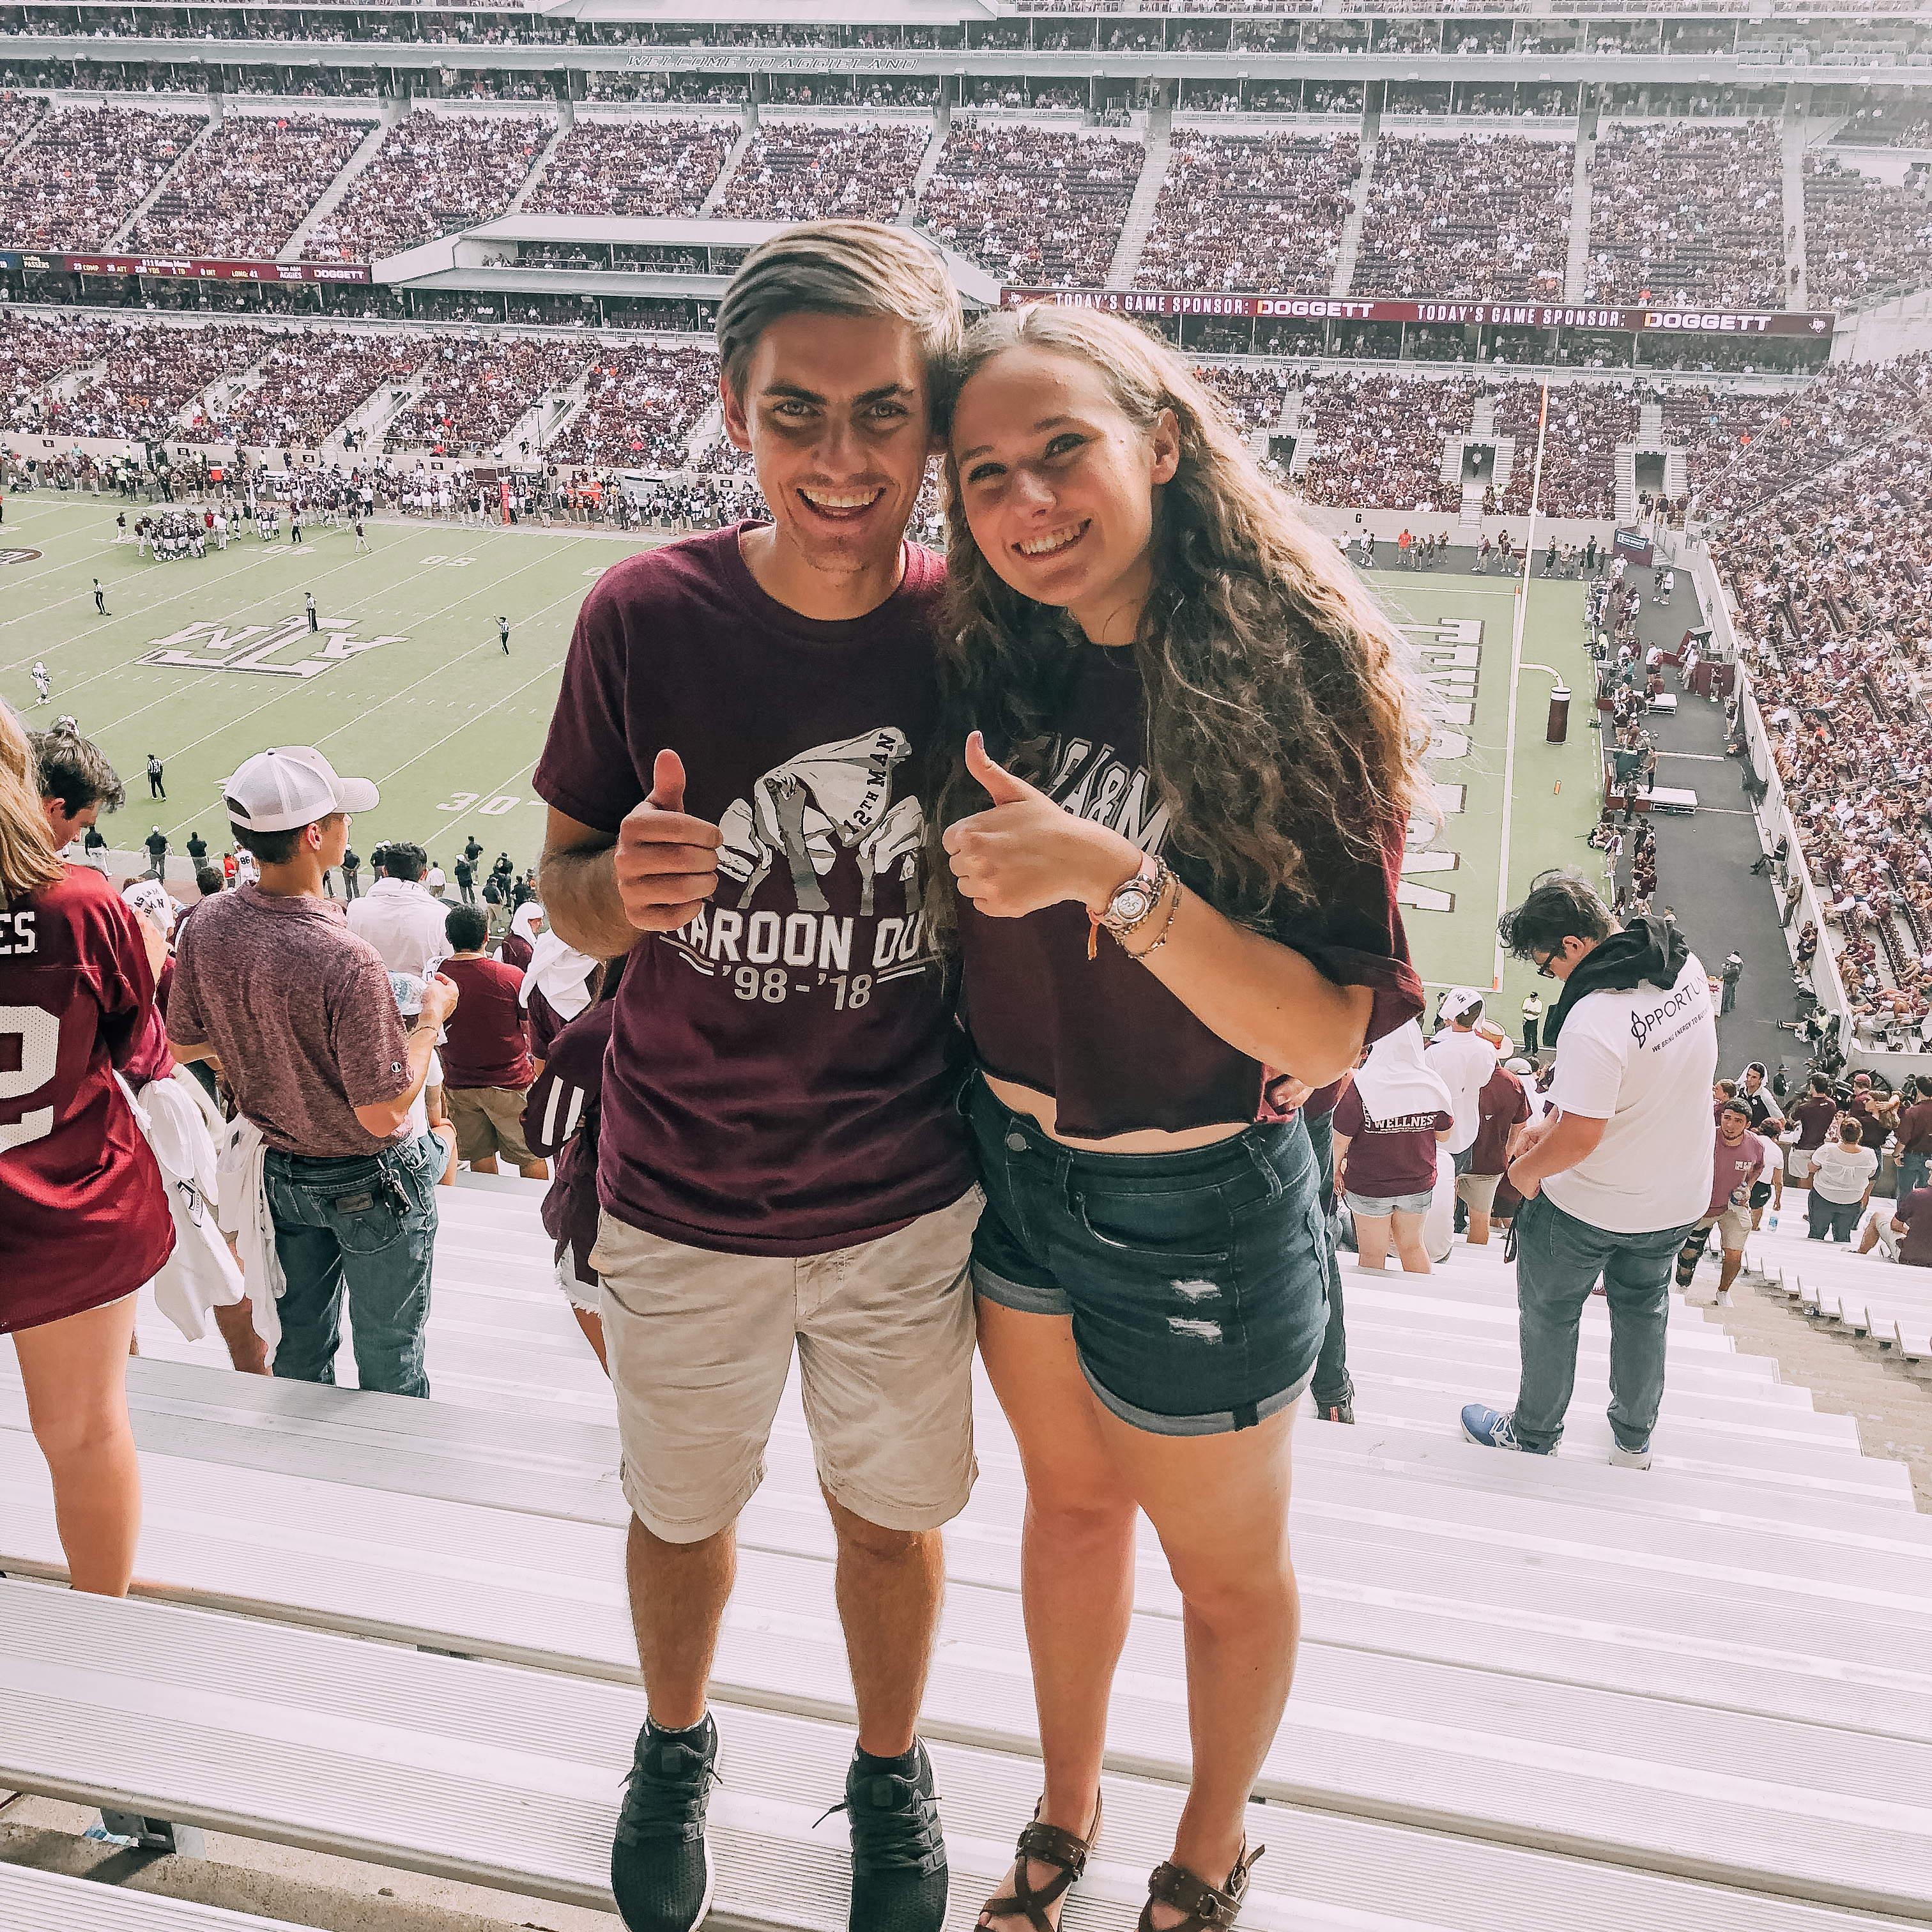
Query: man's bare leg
x=890 y=1584
x=678 y=1595
x=246 y=1351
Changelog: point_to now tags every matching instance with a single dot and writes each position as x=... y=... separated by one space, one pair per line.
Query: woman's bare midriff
x=1040 y=1108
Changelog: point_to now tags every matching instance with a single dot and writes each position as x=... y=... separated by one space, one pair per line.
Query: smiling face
x=835 y=412
x=1058 y=483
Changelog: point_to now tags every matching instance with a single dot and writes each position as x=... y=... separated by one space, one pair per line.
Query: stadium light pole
x=1515 y=678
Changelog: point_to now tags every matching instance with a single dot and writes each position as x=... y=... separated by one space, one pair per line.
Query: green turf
x=450 y=728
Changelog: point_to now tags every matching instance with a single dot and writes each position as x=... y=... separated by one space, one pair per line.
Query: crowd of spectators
x=1038 y=208
x=818 y=170
x=475 y=390
x=433 y=173
x=1864 y=239
x=153 y=378
x=243 y=189
x=1587 y=421
x=35 y=351
x=1253 y=397
x=84 y=171
x=1377 y=439
x=641 y=407
x=1256 y=212
x=1485 y=217
x=19 y=114
x=311 y=381
x=1689 y=215
x=656 y=167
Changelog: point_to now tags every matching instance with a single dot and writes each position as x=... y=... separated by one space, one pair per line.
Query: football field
x=203 y=661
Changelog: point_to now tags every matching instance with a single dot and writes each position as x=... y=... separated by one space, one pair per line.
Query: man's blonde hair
x=840 y=268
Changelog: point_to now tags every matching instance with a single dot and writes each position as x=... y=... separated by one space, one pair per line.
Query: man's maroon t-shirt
x=1814 y=1115
x=1117 y=1050
x=1915 y=1245
x=782 y=1070
x=84 y=1216
x=1500 y=1106
x=1914 y=1128
x=1388 y=1158
x=486 y=1041
x=1734 y=1170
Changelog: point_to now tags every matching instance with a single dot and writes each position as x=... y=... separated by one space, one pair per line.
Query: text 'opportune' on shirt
x=84 y=1213
x=299 y=1012
x=486 y=1041
x=1642 y=1062
x=782 y=1070
x=1115 y=1049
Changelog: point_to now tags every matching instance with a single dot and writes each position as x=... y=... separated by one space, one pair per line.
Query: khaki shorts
x=1734 y=1228
x=700 y=1345
x=488 y=1121
x=1478 y=1192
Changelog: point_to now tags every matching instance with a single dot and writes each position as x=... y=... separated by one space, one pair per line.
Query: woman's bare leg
x=1409 y=1243
x=1371 y=1239
x=1076 y=1555
x=75 y=1371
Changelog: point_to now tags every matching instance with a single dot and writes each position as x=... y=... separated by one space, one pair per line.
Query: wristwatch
x=1136 y=897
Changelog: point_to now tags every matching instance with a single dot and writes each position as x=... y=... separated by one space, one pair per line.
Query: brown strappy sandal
x=1208 y=1910
x=1046 y=1845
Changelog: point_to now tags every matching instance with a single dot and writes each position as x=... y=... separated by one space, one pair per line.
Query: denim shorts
x=1198 y=1282
x=1376 y=1206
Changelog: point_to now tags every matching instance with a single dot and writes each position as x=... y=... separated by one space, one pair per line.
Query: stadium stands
x=35 y=351
x=84 y=171
x=474 y=391
x=1587 y=421
x=1251 y=212
x=152 y=379
x=1688 y=214
x=814 y=170
x=1864 y=239
x=640 y=407
x=433 y=173
x=311 y=381
x=652 y=167
x=1484 y=217
x=242 y=190
x=1038 y=207
x=1378 y=440
x=19 y=114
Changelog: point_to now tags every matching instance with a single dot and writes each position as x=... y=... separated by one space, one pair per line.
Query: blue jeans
x=1832 y=1220
x=365 y=1226
x=1912 y=1171
x=1558 y=1259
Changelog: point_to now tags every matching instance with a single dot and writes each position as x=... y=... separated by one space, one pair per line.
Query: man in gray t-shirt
x=297 y=1012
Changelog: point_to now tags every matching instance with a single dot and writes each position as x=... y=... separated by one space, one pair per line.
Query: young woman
x=84 y=1218
x=1387 y=1128
x=1194 y=879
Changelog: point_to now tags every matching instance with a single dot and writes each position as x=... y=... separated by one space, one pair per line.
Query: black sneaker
x=660 y=1866
x=900 y=1882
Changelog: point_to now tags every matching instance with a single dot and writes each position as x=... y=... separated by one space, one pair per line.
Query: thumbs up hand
x=1028 y=852
x=666 y=861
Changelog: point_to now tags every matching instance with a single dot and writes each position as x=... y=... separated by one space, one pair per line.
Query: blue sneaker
x=1494 y=1430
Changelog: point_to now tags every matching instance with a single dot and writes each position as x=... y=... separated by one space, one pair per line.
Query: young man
x=99 y=598
x=397 y=916
x=1815 y=1116
x=156 y=843
x=42 y=683
x=308 y=605
x=77 y=784
x=1739 y=1158
x=1501 y=1107
x=503 y=632
x=300 y=1015
x=1618 y=1171
x=155 y=788
x=732 y=770
x=487 y=1067
x=1463 y=1056
x=1914 y=1152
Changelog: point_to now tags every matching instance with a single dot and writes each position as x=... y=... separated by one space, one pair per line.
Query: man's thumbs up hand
x=995 y=780
x=666 y=861
x=1028 y=852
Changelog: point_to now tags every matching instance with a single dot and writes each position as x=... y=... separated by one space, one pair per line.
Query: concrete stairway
x=710 y=204
x=1576 y=261
x=928 y=162
x=293 y=249
x=565 y=123
x=1797 y=295
x=1358 y=204
x=1146 y=198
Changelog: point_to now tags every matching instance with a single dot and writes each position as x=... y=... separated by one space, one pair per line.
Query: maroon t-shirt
x=561 y=1113
x=84 y=1216
x=1389 y=1157
x=1914 y=1128
x=1915 y=1245
x=782 y=1070
x=1814 y=1115
x=1500 y=1106
x=1734 y=1170
x=1117 y=1050
x=486 y=1041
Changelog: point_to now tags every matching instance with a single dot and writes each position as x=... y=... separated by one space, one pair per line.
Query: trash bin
x=1559 y=733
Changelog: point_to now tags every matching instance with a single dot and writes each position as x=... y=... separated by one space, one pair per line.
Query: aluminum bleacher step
x=42 y=1901
x=549 y=1593
x=507 y=1777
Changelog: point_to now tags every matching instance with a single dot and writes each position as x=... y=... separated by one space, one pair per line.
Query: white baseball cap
x=292 y=786
x=1457 y=1002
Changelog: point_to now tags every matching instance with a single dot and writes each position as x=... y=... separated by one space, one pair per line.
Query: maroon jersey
x=84 y=1216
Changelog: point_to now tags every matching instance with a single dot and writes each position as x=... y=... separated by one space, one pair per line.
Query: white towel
x=200 y=1273
x=243 y=1212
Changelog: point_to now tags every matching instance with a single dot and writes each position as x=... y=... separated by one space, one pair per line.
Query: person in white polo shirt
x=397 y=916
x=1619 y=1170
x=1463 y=1056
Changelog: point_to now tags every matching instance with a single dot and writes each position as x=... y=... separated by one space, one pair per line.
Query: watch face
x=1131 y=902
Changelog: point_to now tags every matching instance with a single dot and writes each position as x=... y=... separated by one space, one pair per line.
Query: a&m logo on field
x=287 y=649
